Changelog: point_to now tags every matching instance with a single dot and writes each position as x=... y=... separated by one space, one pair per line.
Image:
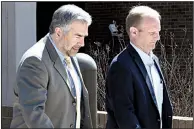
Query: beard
x=72 y=52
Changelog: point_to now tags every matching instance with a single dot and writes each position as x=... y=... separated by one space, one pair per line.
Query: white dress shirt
x=154 y=77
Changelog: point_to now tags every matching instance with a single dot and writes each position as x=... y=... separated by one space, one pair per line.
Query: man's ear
x=58 y=32
x=133 y=31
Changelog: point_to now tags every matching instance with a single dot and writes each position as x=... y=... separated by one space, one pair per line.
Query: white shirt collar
x=147 y=59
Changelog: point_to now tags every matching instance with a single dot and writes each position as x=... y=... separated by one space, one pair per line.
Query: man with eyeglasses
x=136 y=94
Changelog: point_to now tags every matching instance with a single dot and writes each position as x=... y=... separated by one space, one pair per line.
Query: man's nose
x=81 y=42
x=157 y=36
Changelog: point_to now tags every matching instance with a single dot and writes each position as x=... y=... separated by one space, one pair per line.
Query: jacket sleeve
x=32 y=79
x=121 y=92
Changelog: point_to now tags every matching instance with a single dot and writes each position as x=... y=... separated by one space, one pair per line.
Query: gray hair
x=137 y=13
x=66 y=14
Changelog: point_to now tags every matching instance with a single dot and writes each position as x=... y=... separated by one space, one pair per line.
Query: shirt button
x=74 y=103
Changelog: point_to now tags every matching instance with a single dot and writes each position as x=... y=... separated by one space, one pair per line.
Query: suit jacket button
x=71 y=126
x=74 y=103
x=158 y=120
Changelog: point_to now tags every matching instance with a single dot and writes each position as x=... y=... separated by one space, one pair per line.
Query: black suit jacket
x=130 y=99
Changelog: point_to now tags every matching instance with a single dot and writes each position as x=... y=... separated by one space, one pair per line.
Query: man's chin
x=72 y=53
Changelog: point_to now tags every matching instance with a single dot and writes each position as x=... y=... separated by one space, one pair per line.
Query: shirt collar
x=147 y=59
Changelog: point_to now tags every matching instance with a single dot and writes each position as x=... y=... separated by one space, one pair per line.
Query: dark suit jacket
x=43 y=94
x=130 y=99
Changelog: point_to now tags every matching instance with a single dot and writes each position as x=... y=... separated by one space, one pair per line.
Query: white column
x=25 y=27
x=18 y=34
x=8 y=52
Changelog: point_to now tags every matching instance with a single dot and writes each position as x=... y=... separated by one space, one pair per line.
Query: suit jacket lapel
x=60 y=68
x=156 y=62
x=142 y=68
x=57 y=62
x=76 y=65
x=84 y=91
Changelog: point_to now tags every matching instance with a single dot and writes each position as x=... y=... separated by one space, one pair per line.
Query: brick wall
x=6 y=116
x=176 y=16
